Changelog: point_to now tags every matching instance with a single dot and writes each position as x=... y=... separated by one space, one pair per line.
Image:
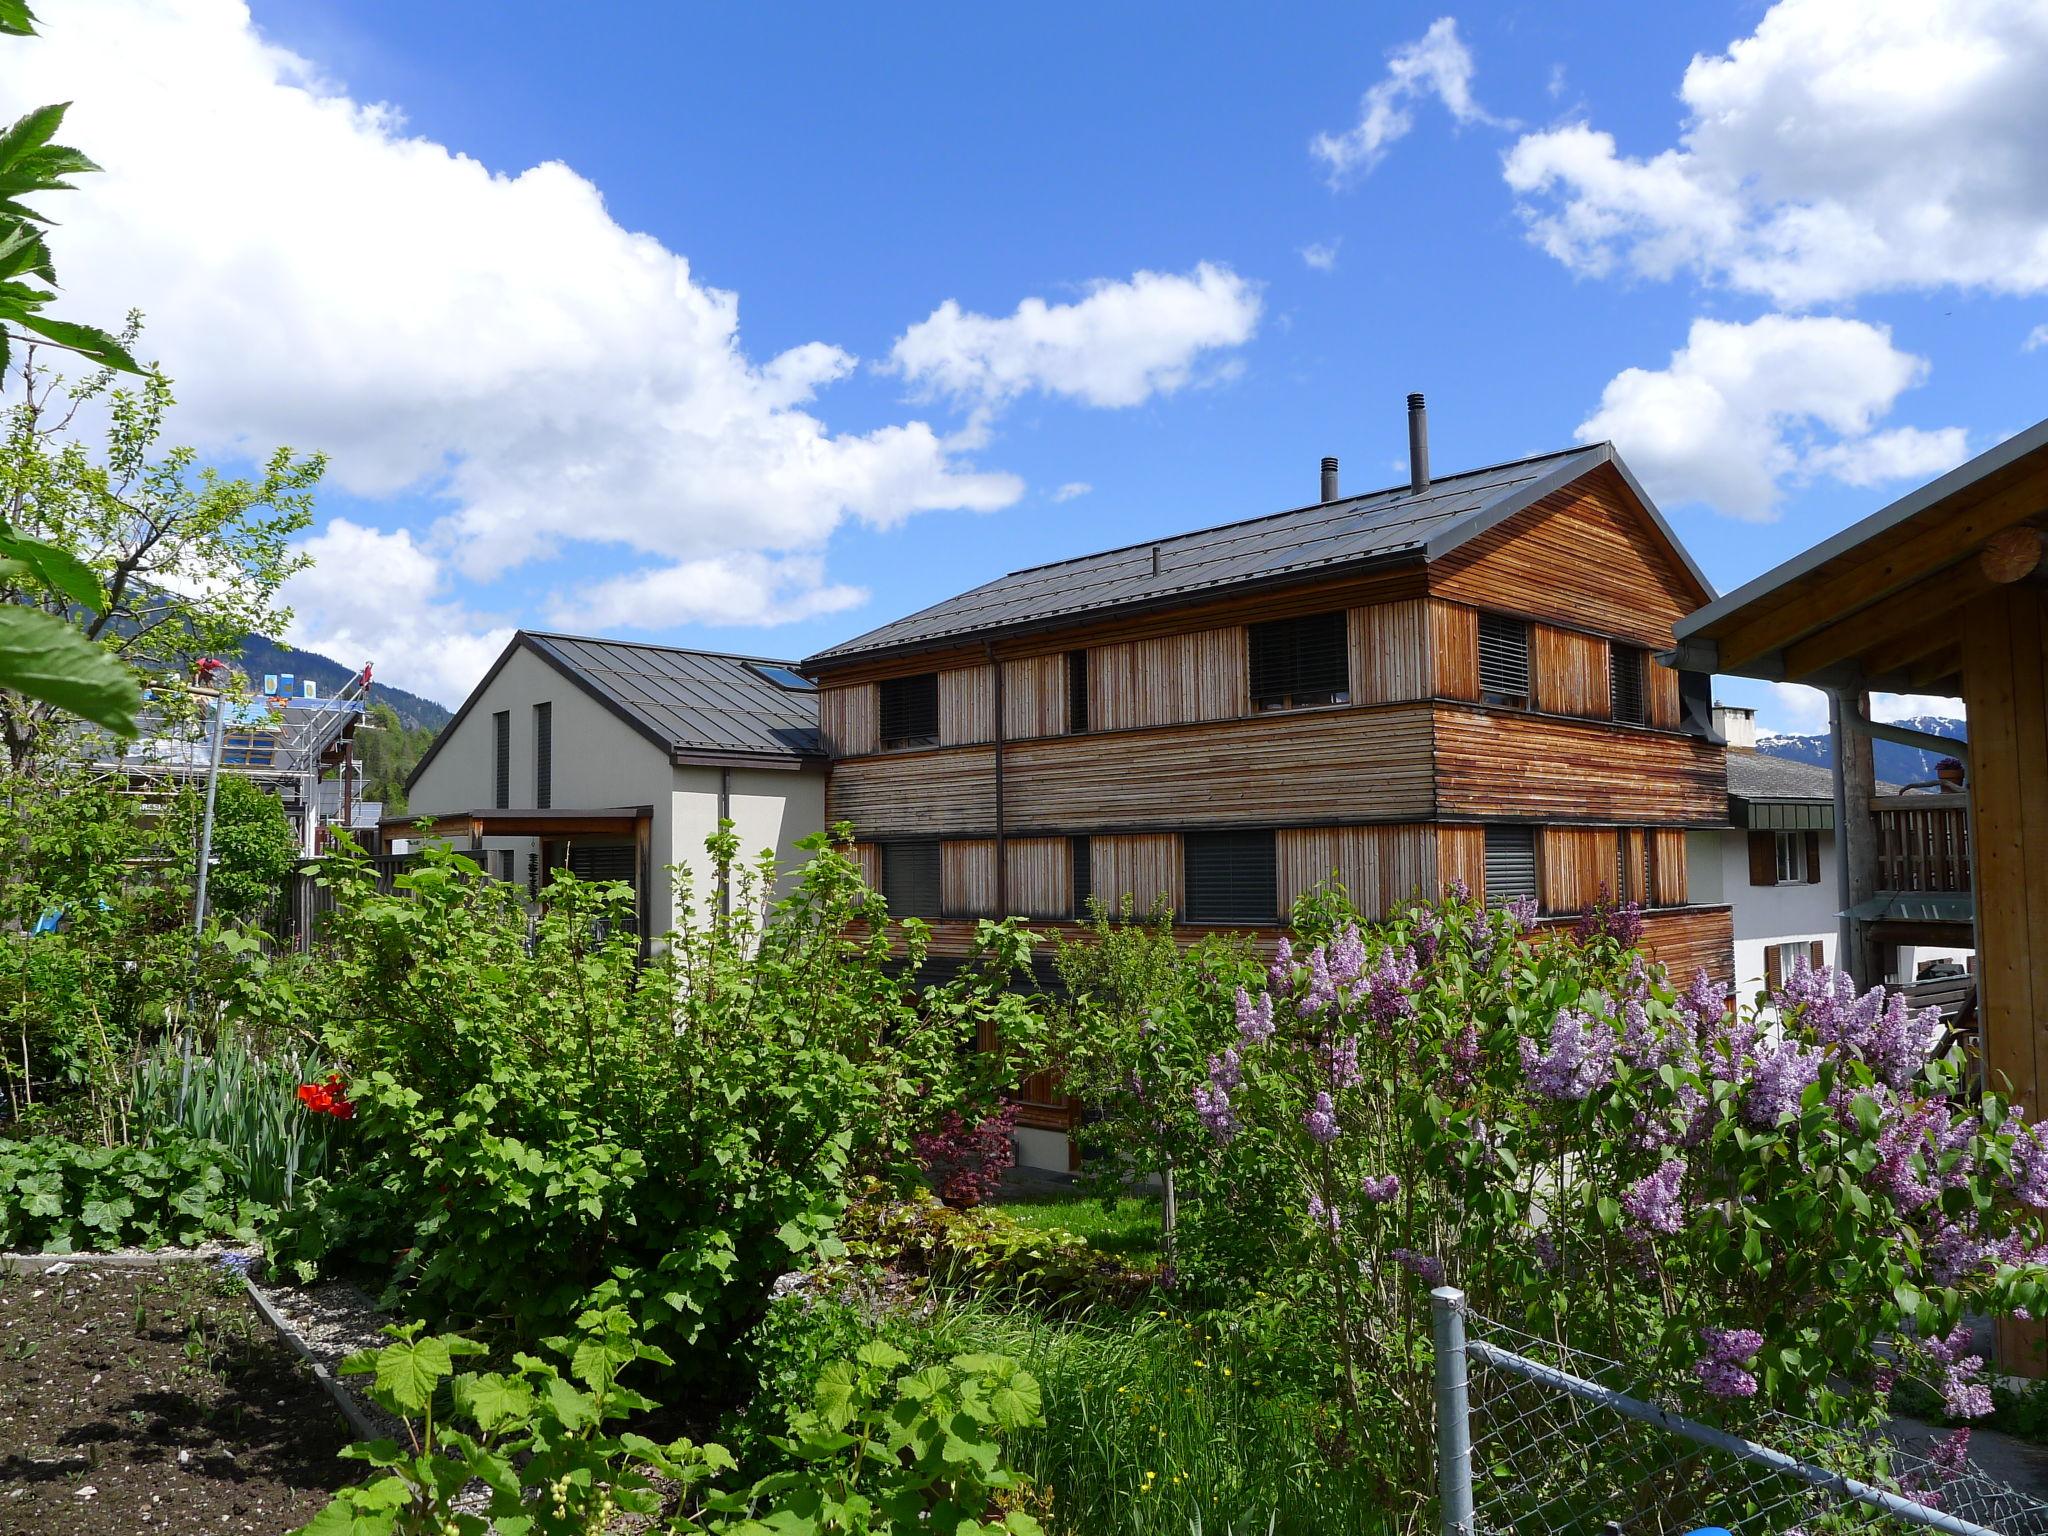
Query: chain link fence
x=1540 y=1440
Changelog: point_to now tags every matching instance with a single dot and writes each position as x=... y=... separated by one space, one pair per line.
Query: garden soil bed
x=155 y=1400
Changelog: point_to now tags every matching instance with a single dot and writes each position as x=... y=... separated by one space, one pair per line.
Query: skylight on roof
x=782 y=677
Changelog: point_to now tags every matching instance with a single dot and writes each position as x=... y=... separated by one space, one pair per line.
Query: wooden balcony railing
x=1923 y=842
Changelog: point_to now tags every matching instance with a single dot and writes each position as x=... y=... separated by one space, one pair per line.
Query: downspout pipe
x=995 y=667
x=1837 y=740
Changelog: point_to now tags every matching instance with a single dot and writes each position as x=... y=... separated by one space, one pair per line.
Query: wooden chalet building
x=1454 y=678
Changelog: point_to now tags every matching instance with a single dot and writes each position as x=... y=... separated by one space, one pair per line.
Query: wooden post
x=1857 y=835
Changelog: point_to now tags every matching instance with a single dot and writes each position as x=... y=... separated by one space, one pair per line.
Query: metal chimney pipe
x=1329 y=479
x=1418 y=444
x=1155 y=559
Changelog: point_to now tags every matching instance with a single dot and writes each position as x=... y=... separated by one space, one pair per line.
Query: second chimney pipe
x=1329 y=479
x=1418 y=444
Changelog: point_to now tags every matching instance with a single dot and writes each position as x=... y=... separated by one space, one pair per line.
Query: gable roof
x=1760 y=776
x=1384 y=526
x=697 y=706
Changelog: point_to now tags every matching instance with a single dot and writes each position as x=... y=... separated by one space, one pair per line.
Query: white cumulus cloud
x=1742 y=408
x=1119 y=345
x=313 y=273
x=723 y=589
x=1072 y=489
x=2037 y=338
x=1436 y=64
x=1839 y=149
x=1321 y=255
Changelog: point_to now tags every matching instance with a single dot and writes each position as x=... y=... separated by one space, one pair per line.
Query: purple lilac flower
x=1953 y=1252
x=1523 y=911
x=1464 y=1056
x=1579 y=1058
x=1898 y=1172
x=1340 y=1063
x=1783 y=1072
x=1321 y=1122
x=1722 y=1370
x=1254 y=1020
x=1382 y=1189
x=1387 y=995
x=1281 y=972
x=1327 y=1217
x=1347 y=956
x=1426 y=1267
x=1705 y=1002
x=1643 y=1045
x=1226 y=1071
x=1545 y=1251
x=1951 y=1453
x=1654 y=1200
x=2029 y=1177
x=1212 y=1105
x=1480 y=934
x=1322 y=991
x=1962 y=1394
x=1458 y=890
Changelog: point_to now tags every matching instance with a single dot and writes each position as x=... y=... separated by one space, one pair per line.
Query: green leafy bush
x=60 y=1197
x=240 y=1098
x=917 y=1235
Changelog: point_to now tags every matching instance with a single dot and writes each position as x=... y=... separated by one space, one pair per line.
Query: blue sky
x=743 y=364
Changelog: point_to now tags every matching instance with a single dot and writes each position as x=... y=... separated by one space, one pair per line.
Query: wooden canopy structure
x=1942 y=592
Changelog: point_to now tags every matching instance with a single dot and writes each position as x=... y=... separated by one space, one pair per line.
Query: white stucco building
x=619 y=760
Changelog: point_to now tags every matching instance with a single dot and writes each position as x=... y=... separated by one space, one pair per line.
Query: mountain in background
x=260 y=654
x=1895 y=764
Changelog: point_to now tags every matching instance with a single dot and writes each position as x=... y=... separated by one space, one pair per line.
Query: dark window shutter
x=1296 y=663
x=1503 y=659
x=1774 y=968
x=1510 y=863
x=910 y=710
x=1084 y=875
x=910 y=878
x=1625 y=683
x=543 y=755
x=1077 y=692
x=1816 y=954
x=505 y=865
x=604 y=861
x=1649 y=868
x=1813 y=858
x=1232 y=877
x=501 y=753
x=1763 y=858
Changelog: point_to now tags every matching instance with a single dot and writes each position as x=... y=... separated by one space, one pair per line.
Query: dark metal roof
x=1382 y=525
x=1759 y=776
x=692 y=701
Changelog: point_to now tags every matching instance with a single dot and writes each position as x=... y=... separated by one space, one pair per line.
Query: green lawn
x=1129 y=1229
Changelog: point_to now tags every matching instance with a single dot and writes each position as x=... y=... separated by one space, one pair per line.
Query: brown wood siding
x=1585 y=556
x=869 y=857
x=1663 y=701
x=1569 y=673
x=1035 y=697
x=1576 y=864
x=1631 y=888
x=967 y=706
x=1327 y=765
x=848 y=720
x=2005 y=689
x=1461 y=855
x=1690 y=941
x=1380 y=867
x=1390 y=652
x=1667 y=862
x=1169 y=680
x=915 y=794
x=1145 y=867
x=1505 y=764
x=967 y=878
x=1041 y=876
x=1454 y=649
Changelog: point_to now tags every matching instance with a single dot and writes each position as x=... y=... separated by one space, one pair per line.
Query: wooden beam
x=1870 y=626
x=1940 y=538
x=1937 y=672
x=2012 y=554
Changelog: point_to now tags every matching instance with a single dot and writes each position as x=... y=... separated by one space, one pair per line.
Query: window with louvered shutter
x=604 y=861
x=1300 y=663
x=1084 y=875
x=543 y=755
x=501 y=756
x=910 y=878
x=1077 y=692
x=1232 y=877
x=909 y=709
x=1510 y=863
x=1626 y=685
x=1503 y=660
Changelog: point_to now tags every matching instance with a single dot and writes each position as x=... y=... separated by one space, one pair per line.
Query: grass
x=1127 y=1229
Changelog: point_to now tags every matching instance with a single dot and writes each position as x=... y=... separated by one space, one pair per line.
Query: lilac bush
x=1743 y=1200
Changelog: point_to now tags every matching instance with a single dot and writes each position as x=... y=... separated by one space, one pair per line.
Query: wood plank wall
x=1583 y=556
x=1144 y=866
x=1575 y=865
x=1568 y=672
x=967 y=878
x=869 y=857
x=1041 y=876
x=1686 y=943
x=967 y=706
x=1390 y=652
x=1663 y=701
x=915 y=794
x=1461 y=855
x=1667 y=863
x=1505 y=764
x=849 y=720
x=1380 y=867
x=1635 y=842
x=1454 y=649
x=1169 y=680
x=1035 y=697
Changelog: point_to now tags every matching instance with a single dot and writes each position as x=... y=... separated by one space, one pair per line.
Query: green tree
x=391 y=750
x=254 y=846
x=177 y=559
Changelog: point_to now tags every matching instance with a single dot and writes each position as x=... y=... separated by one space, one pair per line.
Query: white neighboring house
x=618 y=760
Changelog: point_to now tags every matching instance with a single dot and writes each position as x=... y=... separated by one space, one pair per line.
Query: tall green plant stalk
x=242 y=1098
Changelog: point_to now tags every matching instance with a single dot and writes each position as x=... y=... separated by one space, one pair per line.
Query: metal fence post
x=1453 y=1412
